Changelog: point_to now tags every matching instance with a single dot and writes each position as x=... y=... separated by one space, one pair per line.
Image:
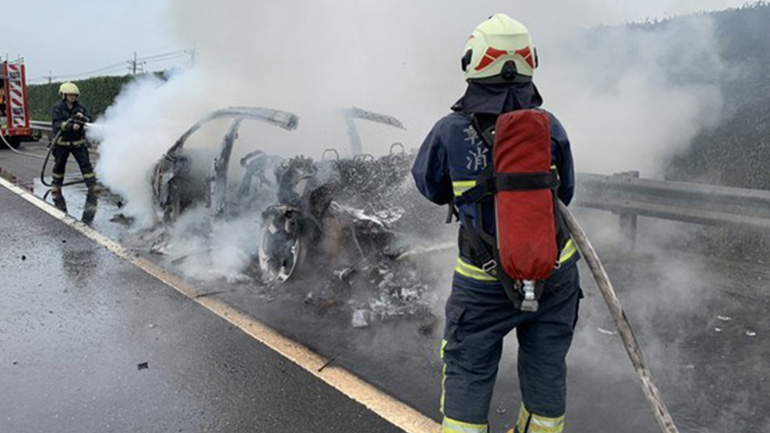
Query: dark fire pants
x=478 y=316
x=80 y=151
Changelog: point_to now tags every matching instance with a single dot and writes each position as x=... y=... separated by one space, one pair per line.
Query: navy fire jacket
x=453 y=155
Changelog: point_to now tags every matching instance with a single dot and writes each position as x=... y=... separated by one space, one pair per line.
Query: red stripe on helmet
x=490 y=56
x=526 y=54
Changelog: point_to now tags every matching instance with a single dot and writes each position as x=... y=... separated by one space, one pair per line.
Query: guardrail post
x=628 y=220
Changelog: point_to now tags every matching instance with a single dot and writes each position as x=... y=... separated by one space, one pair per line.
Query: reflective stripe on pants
x=62 y=153
x=532 y=423
x=450 y=425
x=478 y=316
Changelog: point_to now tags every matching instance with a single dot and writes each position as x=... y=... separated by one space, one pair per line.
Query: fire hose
x=45 y=163
x=651 y=393
x=45 y=158
x=14 y=150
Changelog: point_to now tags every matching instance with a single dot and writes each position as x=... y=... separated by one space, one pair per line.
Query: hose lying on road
x=651 y=392
x=44 y=158
x=14 y=150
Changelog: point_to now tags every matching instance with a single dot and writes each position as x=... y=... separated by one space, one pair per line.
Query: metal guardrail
x=629 y=196
x=36 y=125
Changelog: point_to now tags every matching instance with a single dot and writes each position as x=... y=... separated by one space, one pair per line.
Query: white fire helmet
x=68 y=88
x=499 y=47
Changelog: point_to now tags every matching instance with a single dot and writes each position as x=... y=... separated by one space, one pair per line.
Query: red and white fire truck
x=14 y=109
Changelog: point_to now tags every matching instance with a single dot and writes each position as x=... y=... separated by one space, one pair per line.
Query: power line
x=134 y=65
x=169 y=54
x=93 y=71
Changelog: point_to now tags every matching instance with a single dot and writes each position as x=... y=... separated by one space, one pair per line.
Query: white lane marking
x=394 y=411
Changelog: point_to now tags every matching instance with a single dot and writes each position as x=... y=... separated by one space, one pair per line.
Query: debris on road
x=360 y=319
x=606 y=332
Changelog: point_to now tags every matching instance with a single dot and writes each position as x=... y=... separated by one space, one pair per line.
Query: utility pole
x=133 y=65
x=50 y=76
x=194 y=52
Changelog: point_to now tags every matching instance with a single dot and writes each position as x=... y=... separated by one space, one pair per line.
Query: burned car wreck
x=344 y=217
x=176 y=187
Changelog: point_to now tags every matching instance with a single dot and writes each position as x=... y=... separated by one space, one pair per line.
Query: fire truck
x=14 y=109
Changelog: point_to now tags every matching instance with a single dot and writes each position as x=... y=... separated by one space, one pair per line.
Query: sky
x=64 y=38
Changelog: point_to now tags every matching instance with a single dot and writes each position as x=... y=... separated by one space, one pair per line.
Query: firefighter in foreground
x=500 y=163
x=69 y=119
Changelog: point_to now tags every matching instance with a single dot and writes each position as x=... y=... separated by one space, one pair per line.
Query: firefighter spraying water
x=69 y=122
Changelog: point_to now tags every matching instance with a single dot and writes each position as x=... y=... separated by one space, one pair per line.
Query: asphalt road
x=90 y=343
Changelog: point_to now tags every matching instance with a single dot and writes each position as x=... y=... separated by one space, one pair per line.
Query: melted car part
x=175 y=189
x=217 y=196
x=354 y=137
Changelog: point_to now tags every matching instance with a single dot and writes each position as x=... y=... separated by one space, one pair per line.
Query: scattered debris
x=327 y=363
x=360 y=319
x=143 y=366
x=121 y=218
x=215 y=292
x=724 y=318
x=345 y=274
x=501 y=409
x=151 y=325
x=717 y=329
x=607 y=332
x=23 y=257
x=751 y=333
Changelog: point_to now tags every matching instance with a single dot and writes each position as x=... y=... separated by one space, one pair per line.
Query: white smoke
x=614 y=93
x=632 y=97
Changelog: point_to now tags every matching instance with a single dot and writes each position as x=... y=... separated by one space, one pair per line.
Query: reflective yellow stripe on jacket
x=71 y=143
x=461 y=186
x=467 y=270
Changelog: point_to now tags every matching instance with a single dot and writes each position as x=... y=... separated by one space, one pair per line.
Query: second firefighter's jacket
x=63 y=120
x=453 y=155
